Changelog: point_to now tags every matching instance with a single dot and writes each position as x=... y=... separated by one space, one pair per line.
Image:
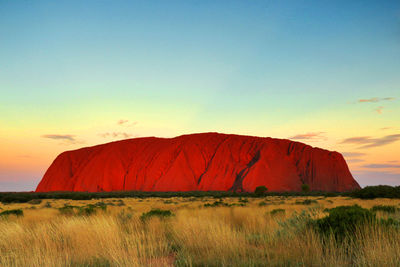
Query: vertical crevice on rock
x=211 y=159
x=238 y=183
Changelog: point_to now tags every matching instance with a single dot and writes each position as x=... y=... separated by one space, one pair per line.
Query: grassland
x=203 y=231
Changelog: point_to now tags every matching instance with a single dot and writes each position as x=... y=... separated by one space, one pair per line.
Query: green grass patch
x=306 y=202
x=262 y=203
x=16 y=212
x=87 y=210
x=384 y=208
x=277 y=211
x=156 y=213
x=343 y=221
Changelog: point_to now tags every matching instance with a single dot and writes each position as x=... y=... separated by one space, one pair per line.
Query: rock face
x=205 y=162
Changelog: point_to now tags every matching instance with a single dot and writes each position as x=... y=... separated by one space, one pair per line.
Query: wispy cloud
x=120 y=122
x=116 y=135
x=367 y=141
x=353 y=154
x=66 y=137
x=376 y=99
x=379 y=109
x=355 y=160
x=381 y=166
x=356 y=140
x=386 y=128
x=353 y=157
x=376 y=176
x=313 y=136
x=127 y=123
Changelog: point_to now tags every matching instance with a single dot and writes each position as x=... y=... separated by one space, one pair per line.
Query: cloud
x=376 y=99
x=18 y=186
x=386 y=128
x=116 y=135
x=376 y=177
x=356 y=140
x=14 y=180
x=379 y=109
x=126 y=123
x=59 y=137
x=367 y=141
x=120 y=122
x=66 y=137
x=381 y=166
x=314 y=136
x=352 y=157
x=354 y=160
x=352 y=154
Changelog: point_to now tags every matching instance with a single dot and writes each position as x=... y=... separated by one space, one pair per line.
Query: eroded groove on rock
x=238 y=184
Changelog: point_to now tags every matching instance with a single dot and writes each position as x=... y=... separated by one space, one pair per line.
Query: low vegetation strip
x=23 y=197
x=380 y=191
x=369 y=192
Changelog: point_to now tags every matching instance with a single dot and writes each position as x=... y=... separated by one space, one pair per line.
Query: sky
x=80 y=73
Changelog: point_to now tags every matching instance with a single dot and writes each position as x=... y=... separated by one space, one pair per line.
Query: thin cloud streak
x=379 y=109
x=116 y=135
x=355 y=160
x=313 y=136
x=376 y=99
x=120 y=122
x=381 y=166
x=67 y=137
x=376 y=177
x=126 y=123
x=368 y=142
x=353 y=154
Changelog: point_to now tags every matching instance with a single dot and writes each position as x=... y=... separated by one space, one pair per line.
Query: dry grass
x=195 y=236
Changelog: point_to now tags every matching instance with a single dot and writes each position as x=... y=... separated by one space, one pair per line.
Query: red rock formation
x=206 y=162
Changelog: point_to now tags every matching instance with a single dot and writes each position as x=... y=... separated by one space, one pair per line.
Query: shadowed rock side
x=206 y=162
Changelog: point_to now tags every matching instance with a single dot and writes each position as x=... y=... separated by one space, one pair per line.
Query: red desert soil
x=205 y=161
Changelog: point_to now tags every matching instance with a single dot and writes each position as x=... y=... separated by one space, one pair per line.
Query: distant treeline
x=22 y=197
x=379 y=191
x=369 y=192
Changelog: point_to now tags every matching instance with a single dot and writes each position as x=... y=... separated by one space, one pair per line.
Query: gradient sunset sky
x=80 y=73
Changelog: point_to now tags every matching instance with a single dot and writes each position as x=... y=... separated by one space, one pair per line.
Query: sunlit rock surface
x=205 y=162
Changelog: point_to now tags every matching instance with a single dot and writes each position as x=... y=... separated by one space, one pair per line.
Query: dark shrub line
x=369 y=192
x=17 y=212
x=379 y=191
x=22 y=197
